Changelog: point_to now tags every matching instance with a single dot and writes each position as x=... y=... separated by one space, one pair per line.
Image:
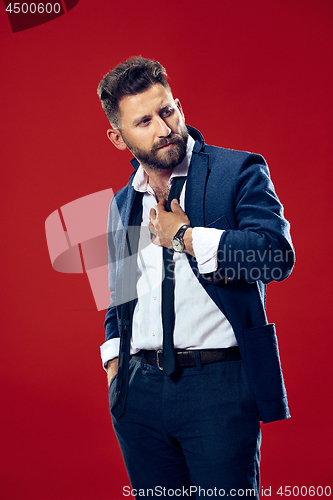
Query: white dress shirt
x=199 y=323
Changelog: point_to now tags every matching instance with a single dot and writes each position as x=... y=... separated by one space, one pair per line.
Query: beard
x=165 y=160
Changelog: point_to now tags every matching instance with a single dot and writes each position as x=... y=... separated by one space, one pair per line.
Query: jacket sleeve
x=111 y=318
x=260 y=248
x=111 y=324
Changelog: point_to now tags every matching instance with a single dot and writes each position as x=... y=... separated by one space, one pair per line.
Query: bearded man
x=195 y=236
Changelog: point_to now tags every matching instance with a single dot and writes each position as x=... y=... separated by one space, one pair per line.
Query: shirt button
x=153 y=334
x=154 y=297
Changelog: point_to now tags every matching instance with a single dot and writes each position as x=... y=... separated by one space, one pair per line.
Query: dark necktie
x=168 y=306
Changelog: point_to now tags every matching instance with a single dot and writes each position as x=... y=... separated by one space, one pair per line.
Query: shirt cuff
x=205 y=241
x=109 y=350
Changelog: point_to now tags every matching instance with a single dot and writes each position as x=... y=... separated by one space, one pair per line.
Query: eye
x=144 y=122
x=167 y=112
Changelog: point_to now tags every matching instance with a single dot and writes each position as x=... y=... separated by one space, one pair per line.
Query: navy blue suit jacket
x=229 y=190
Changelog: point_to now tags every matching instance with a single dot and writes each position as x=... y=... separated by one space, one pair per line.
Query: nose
x=162 y=129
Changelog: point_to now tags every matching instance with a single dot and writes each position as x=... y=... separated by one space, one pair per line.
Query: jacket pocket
x=220 y=223
x=133 y=366
x=263 y=362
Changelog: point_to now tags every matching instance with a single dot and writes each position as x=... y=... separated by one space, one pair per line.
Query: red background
x=254 y=75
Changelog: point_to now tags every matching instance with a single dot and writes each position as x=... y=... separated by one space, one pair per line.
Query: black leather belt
x=186 y=357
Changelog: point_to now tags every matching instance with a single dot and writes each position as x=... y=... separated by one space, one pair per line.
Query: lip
x=167 y=145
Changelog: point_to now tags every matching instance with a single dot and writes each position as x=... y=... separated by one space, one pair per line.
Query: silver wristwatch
x=177 y=240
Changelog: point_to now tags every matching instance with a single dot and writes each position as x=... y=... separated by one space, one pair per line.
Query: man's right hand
x=112 y=368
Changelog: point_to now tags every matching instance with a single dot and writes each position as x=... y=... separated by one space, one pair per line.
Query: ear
x=114 y=136
x=180 y=109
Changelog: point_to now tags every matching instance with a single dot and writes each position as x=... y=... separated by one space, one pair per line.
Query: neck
x=158 y=177
x=158 y=180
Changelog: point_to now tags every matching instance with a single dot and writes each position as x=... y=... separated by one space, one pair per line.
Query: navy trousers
x=193 y=434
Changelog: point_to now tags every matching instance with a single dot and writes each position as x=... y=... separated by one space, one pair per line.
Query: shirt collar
x=140 y=180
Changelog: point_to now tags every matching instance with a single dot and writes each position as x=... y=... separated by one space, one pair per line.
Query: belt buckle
x=158 y=352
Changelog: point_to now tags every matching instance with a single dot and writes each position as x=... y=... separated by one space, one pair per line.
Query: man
x=192 y=364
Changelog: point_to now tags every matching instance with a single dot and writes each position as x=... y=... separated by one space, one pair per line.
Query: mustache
x=172 y=138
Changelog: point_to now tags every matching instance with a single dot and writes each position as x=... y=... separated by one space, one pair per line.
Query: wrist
x=188 y=241
x=177 y=241
x=111 y=369
x=111 y=362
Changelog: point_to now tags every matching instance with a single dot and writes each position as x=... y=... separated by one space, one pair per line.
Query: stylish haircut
x=132 y=77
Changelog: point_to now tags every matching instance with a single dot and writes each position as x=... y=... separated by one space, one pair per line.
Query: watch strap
x=181 y=231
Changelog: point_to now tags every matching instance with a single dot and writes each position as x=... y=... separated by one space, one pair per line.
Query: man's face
x=153 y=128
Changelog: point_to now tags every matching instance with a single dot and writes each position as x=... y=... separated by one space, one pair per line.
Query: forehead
x=152 y=100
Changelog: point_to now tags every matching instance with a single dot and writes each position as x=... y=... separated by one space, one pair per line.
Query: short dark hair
x=132 y=77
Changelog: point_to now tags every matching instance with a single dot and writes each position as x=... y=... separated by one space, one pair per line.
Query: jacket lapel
x=195 y=189
x=195 y=195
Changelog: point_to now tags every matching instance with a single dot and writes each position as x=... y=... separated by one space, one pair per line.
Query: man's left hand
x=164 y=225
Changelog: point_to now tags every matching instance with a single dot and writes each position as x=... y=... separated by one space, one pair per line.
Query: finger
x=155 y=240
x=152 y=214
x=152 y=228
x=175 y=207
x=160 y=207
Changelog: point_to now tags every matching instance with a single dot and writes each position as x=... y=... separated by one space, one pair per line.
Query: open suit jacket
x=229 y=190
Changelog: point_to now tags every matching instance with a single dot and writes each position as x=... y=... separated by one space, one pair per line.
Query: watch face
x=177 y=245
